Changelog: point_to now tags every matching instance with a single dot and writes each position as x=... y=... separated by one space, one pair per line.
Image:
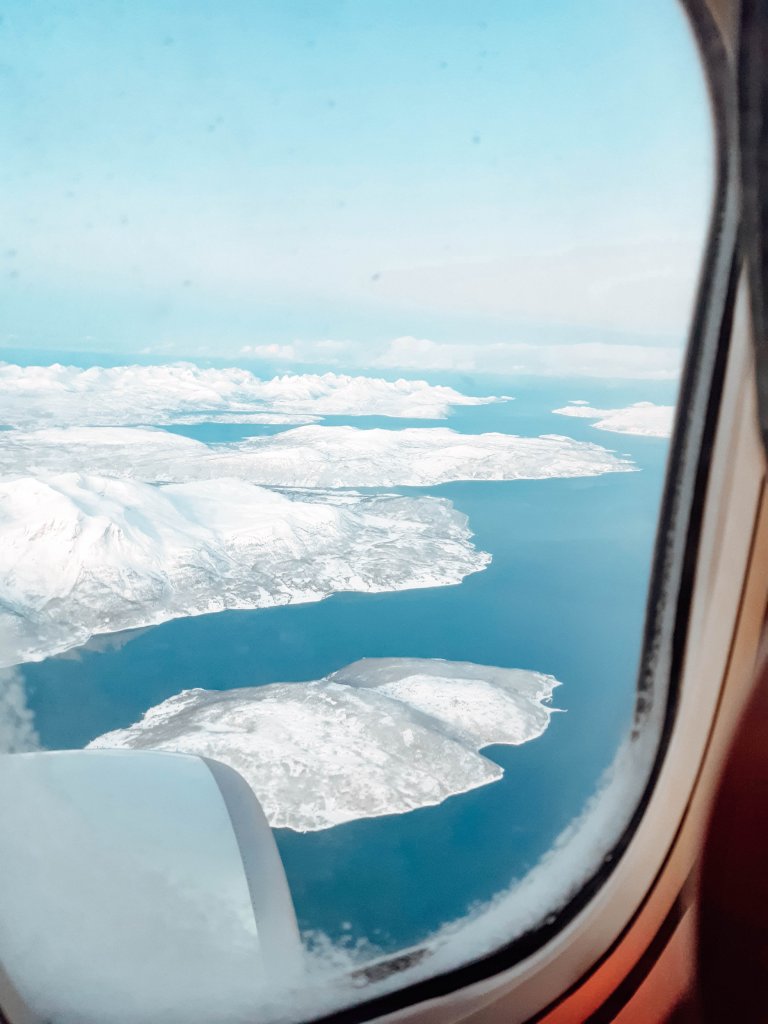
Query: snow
x=38 y=396
x=247 y=418
x=381 y=736
x=87 y=554
x=642 y=418
x=17 y=723
x=309 y=456
x=588 y=840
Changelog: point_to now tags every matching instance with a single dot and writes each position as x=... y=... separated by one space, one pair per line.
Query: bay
x=565 y=594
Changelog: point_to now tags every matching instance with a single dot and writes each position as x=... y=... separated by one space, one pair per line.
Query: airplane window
x=340 y=352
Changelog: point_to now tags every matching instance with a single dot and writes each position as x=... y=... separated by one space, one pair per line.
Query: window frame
x=675 y=587
x=673 y=584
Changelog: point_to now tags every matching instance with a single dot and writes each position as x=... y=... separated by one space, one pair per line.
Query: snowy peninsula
x=86 y=554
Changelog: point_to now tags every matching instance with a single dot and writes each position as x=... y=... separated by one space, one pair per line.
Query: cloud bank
x=592 y=359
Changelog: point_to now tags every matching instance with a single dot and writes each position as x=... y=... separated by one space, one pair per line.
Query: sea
x=565 y=594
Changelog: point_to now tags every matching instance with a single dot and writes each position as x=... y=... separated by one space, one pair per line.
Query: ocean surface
x=565 y=594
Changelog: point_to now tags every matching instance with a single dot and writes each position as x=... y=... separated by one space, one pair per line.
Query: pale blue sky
x=196 y=177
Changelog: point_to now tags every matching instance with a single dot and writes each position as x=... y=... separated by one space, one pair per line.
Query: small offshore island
x=381 y=736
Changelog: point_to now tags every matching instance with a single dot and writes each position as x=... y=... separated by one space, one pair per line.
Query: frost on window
x=339 y=352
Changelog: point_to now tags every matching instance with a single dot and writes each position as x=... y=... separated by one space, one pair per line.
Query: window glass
x=340 y=347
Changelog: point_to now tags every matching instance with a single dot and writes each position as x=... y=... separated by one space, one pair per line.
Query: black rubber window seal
x=753 y=139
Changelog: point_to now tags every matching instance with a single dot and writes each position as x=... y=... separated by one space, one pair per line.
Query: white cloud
x=645 y=286
x=609 y=360
x=326 y=351
x=285 y=352
x=586 y=359
x=408 y=353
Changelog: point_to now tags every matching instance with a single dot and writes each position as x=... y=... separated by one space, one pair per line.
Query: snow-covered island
x=39 y=396
x=643 y=418
x=309 y=456
x=381 y=736
x=87 y=554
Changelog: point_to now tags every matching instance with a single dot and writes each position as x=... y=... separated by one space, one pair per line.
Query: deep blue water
x=564 y=594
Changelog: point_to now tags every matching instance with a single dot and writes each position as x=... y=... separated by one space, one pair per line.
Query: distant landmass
x=309 y=456
x=642 y=418
x=37 y=396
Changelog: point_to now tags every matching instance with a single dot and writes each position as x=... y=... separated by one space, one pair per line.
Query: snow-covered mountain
x=381 y=736
x=86 y=554
x=38 y=396
x=643 y=418
x=309 y=456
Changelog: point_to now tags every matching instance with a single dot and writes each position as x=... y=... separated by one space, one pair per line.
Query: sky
x=505 y=185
